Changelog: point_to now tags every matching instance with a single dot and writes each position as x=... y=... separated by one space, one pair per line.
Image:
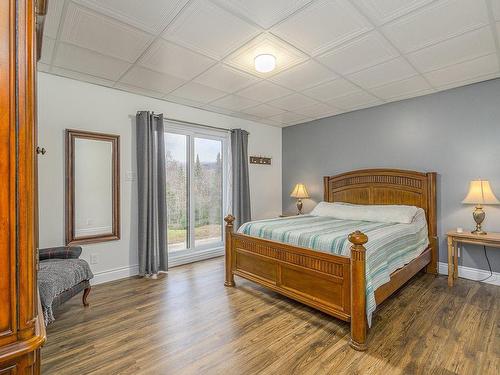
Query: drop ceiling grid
x=376 y=23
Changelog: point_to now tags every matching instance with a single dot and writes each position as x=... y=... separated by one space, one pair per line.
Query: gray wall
x=455 y=133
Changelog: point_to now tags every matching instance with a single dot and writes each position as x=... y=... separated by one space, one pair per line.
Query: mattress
x=390 y=246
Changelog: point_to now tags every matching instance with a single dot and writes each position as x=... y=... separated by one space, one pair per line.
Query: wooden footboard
x=323 y=281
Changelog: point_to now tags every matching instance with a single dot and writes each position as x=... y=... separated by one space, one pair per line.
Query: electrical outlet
x=94 y=259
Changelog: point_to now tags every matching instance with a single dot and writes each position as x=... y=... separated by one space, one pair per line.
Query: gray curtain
x=151 y=179
x=241 y=185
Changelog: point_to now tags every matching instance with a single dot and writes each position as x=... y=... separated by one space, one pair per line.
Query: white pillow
x=378 y=213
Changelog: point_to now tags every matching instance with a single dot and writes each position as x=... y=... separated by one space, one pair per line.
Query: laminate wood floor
x=189 y=323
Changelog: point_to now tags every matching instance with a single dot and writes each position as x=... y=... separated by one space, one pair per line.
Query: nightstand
x=454 y=238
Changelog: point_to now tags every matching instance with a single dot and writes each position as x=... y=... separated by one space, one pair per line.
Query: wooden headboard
x=387 y=186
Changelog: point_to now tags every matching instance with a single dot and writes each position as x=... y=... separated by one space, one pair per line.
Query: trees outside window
x=195 y=174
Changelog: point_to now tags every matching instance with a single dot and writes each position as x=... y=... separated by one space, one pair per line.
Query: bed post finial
x=229 y=281
x=358 y=290
x=229 y=219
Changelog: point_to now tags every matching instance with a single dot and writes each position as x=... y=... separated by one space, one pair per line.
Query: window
x=196 y=173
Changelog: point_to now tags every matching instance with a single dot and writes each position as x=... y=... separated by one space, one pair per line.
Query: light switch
x=131 y=176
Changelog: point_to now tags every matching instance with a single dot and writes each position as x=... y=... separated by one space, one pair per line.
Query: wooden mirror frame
x=71 y=135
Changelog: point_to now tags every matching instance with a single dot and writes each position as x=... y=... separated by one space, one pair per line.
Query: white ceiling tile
x=461 y=48
x=209 y=29
x=464 y=71
x=449 y=41
x=400 y=88
x=81 y=76
x=469 y=81
x=413 y=94
x=290 y=102
x=383 y=11
x=198 y=93
x=225 y=78
x=85 y=61
x=139 y=90
x=322 y=25
x=264 y=91
x=263 y=110
x=149 y=80
x=296 y=122
x=285 y=54
x=167 y=57
x=53 y=18
x=223 y=111
x=103 y=34
x=366 y=51
x=47 y=50
x=289 y=118
x=264 y=13
x=151 y=15
x=317 y=110
x=436 y=22
x=329 y=90
x=247 y=116
x=183 y=101
x=334 y=113
x=303 y=76
x=271 y=122
x=367 y=105
x=390 y=71
x=354 y=100
x=234 y=103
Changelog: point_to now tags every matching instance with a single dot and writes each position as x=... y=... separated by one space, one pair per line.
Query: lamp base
x=479 y=232
x=299 y=206
x=478 y=216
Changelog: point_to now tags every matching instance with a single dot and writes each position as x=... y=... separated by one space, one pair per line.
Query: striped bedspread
x=389 y=247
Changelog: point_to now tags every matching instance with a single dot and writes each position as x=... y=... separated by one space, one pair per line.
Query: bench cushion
x=56 y=276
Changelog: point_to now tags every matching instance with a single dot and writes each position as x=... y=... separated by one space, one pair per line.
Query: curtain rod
x=195 y=124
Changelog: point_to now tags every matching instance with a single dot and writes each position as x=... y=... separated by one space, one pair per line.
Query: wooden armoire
x=22 y=330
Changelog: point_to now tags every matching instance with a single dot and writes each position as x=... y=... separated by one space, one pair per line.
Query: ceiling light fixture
x=265 y=63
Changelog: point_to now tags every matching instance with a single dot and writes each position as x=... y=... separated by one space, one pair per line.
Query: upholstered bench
x=61 y=276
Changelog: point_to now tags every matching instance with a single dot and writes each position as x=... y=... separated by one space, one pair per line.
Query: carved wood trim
x=276 y=251
x=377 y=179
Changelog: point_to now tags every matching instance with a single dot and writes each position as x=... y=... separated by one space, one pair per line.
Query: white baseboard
x=472 y=274
x=174 y=260
x=115 y=274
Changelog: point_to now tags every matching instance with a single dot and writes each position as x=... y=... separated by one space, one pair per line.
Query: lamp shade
x=299 y=191
x=480 y=193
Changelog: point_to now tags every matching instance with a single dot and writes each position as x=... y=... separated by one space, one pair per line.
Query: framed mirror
x=92 y=187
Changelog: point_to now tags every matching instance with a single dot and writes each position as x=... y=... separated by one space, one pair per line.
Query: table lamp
x=480 y=193
x=299 y=192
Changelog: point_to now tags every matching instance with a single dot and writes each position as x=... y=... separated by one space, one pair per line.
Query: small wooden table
x=454 y=237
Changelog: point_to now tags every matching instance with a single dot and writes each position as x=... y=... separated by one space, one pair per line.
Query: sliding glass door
x=195 y=188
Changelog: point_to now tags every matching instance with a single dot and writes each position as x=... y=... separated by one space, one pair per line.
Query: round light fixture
x=265 y=63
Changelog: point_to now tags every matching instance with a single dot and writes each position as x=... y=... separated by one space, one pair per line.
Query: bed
x=336 y=283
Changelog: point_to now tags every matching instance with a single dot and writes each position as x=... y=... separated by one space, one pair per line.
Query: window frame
x=191 y=132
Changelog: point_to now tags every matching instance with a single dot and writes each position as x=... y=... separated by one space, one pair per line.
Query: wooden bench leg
x=86 y=292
